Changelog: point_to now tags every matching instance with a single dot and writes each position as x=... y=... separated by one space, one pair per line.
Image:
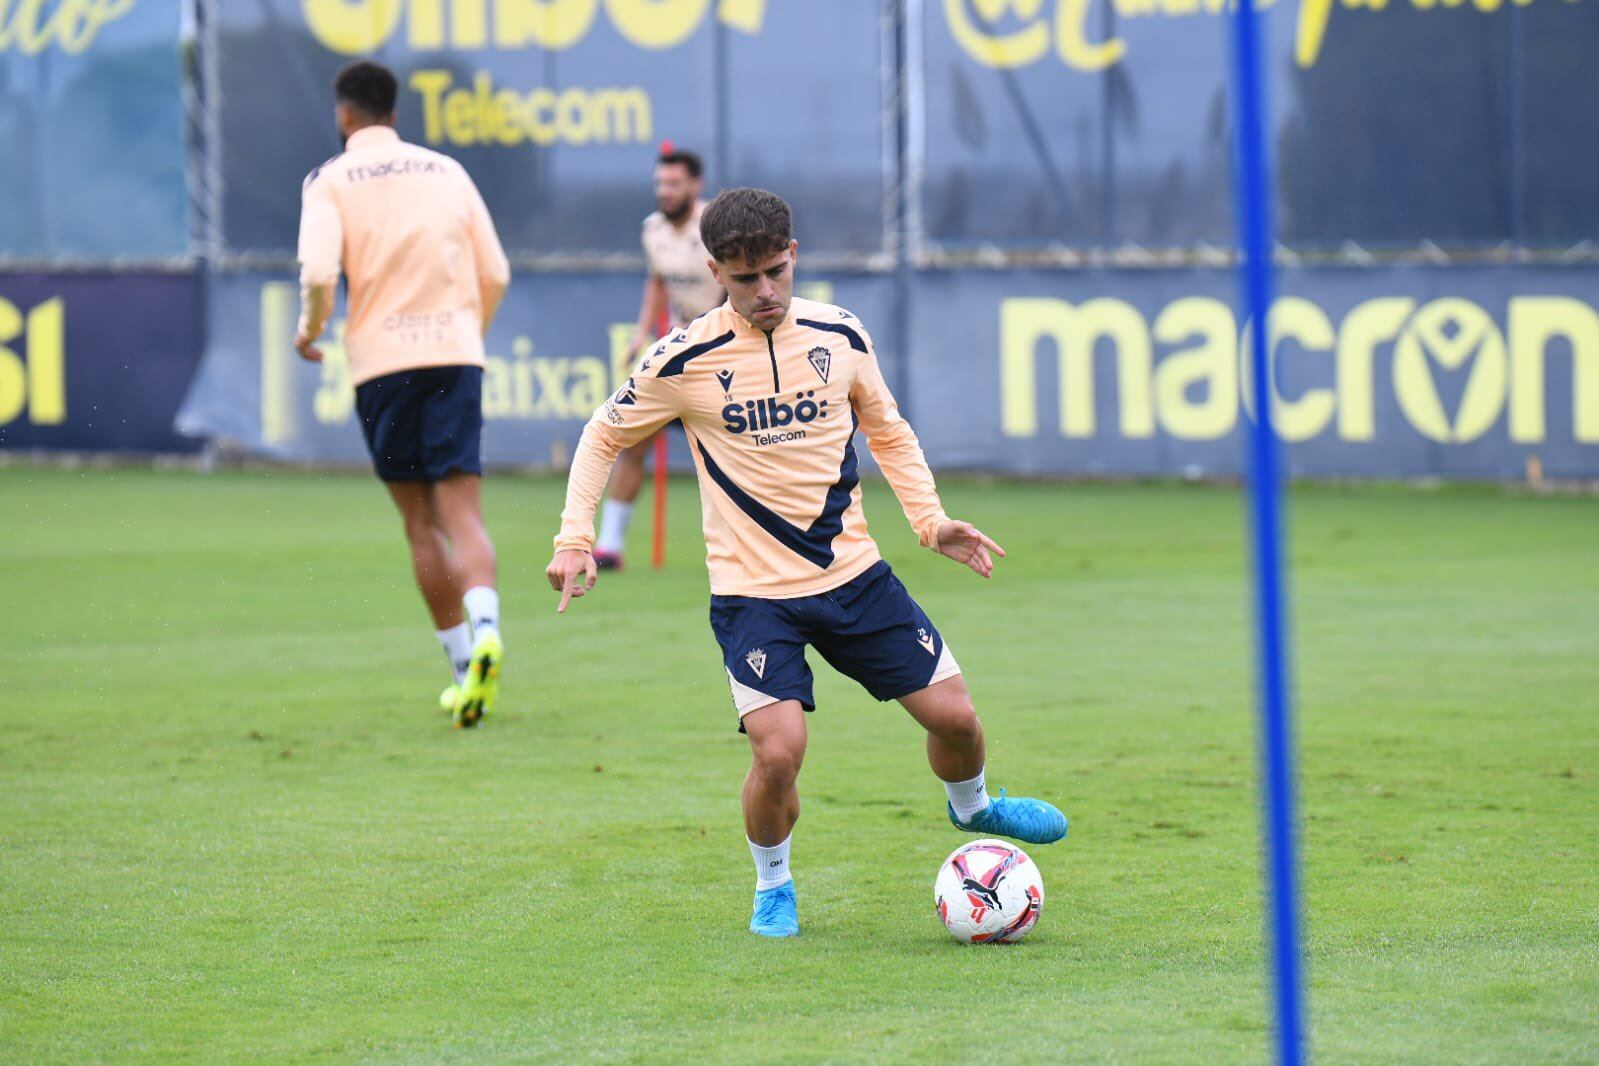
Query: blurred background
x=1028 y=202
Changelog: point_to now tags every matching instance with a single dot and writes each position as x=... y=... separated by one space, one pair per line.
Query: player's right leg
x=771 y=685
x=771 y=808
x=626 y=482
x=392 y=413
x=452 y=433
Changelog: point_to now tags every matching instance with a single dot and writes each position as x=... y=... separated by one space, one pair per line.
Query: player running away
x=426 y=272
x=680 y=287
x=771 y=391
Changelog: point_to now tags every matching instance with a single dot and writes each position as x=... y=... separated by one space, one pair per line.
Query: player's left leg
x=875 y=633
x=955 y=751
x=458 y=501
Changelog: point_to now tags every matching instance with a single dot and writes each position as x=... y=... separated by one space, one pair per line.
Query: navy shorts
x=868 y=629
x=423 y=424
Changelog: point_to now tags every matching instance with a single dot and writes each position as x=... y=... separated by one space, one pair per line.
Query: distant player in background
x=771 y=391
x=426 y=273
x=679 y=288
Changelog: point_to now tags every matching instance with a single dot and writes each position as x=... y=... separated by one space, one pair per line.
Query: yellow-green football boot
x=482 y=685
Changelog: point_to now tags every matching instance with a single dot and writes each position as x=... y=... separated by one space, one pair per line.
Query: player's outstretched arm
x=968 y=545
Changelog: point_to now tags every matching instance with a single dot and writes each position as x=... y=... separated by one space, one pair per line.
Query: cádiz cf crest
x=822 y=360
x=757 y=660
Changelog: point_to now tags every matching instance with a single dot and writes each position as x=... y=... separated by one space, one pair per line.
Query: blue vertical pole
x=1253 y=188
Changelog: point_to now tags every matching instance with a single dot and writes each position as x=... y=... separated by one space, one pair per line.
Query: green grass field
x=235 y=826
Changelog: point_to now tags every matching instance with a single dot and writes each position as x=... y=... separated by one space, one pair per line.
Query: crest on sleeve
x=625 y=395
x=821 y=360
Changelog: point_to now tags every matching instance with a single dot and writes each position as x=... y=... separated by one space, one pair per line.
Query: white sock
x=613 y=527
x=482 y=609
x=457 y=644
x=771 y=864
x=969 y=798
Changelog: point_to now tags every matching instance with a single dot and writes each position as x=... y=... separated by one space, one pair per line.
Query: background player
x=679 y=287
x=771 y=390
x=426 y=273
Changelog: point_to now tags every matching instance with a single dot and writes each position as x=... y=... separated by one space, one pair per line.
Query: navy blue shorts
x=423 y=424
x=868 y=629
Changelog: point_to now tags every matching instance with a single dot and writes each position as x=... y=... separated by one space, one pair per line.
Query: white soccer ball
x=989 y=892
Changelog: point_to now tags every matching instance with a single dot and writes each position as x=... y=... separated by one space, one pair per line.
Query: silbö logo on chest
x=773 y=413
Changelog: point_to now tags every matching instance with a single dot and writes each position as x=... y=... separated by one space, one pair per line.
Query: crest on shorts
x=821 y=360
x=726 y=378
x=757 y=660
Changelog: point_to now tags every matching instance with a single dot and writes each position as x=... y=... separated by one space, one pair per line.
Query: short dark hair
x=746 y=225
x=368 y=87
x=679 y=158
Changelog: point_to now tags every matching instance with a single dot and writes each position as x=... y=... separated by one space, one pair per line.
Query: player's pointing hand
x=967 y=544
x=572 y=573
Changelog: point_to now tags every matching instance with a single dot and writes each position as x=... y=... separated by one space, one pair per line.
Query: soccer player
x=680 y=284
x=771 y=390
x=425 y=273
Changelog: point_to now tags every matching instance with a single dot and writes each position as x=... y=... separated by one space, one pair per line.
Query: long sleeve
x=493 y=269
x=897 y=450
x=639 y=409
x=321 y=254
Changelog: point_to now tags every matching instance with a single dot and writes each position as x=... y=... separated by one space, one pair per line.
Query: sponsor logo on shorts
x=925 y=639
x=757 y=660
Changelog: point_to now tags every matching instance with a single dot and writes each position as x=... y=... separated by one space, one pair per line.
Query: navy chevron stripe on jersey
x=855 y=339
x=674 y=366
x=815 y=543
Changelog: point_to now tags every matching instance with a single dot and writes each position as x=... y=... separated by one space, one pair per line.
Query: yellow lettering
x=335 y=392
x=571 y=117
x=459 y=115
x=1071 y=39
x=550 y=24
x=1449 y=332
x=1075 y=332
x=71 y=25
x=1311 y=31
x=1535 y=321
x=590 y=388
x=657 y=24
x=508 y=115
x=1010 y=50
x=431 y=84
x=1368 y=325
x=1293 y=318
x=1212 y=365
x=352 y=27
x=13 y=377
x=551 y=375
x=526 y=406
x=497 y=402
x=469 y=24
x=745 y=16
x=47 y=382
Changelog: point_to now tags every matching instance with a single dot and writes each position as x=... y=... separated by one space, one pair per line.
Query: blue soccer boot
x=776 y=912
x=1029 y=820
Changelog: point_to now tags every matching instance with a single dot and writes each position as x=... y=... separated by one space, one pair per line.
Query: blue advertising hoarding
x=96 y=362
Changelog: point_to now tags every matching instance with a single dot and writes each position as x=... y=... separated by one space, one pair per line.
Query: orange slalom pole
x=659 y=550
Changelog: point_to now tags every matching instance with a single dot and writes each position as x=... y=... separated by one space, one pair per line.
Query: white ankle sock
x=613 y=527
x=969 y=798
x=457 y=644
x=771 y=864
x=482 y=609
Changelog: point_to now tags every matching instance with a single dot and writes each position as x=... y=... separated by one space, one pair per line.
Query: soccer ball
x=989 y=892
